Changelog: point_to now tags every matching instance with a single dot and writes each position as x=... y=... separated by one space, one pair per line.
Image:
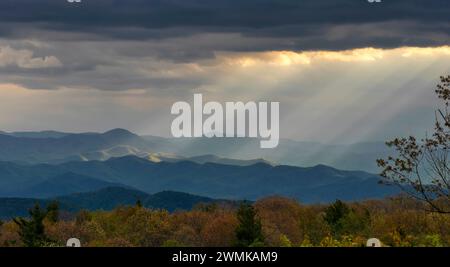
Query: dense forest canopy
x=273 y=221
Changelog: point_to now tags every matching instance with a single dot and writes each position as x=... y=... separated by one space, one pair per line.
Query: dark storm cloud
x=308 y=23
x=221 y=13
x=127 y=44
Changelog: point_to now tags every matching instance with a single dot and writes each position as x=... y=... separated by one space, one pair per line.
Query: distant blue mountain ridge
x=312 y=184
x=108 y=198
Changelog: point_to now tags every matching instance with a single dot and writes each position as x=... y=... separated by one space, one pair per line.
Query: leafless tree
x=421 y=167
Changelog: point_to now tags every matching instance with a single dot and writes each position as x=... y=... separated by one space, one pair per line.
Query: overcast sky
x=344 y=71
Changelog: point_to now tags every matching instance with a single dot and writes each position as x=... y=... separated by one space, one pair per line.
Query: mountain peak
x=119 y=132
x=324 y=167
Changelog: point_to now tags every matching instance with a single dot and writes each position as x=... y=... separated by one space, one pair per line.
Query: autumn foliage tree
x=281 y=221
x=421 y=167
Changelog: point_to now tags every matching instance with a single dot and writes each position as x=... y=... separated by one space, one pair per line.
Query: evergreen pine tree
x=31 y=231
x=53 y=211
x=139 y=203
x=249 y=230
x=334 y=215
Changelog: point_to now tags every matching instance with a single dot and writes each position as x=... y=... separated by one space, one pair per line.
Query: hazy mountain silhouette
x=42 y=134
x=56 y=147
x=67 y=147
x=159 y=157
x=358 y=156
